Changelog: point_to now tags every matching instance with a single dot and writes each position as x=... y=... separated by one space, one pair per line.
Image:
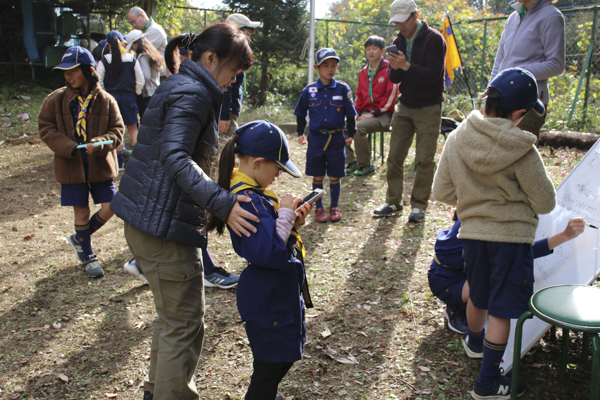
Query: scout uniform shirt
x=327 y=106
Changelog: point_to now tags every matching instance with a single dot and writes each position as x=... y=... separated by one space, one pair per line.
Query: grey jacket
x=536 y=44
x=167 y=186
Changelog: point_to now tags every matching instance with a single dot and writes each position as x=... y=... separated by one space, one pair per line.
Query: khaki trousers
x=175 y=275
x=425 y=122
x=377 y=123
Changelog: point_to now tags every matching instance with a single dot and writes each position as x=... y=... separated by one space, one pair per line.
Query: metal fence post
x=589 y=69
x=327 y=34
x=483 y=54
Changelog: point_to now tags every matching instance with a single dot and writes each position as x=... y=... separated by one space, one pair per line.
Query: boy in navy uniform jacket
x=328 y=103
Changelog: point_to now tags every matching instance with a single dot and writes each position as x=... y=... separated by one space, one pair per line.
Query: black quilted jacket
x=167 y=186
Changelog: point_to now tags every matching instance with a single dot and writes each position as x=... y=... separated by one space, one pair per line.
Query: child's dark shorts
x=332 y=161
x=500 y=276
x=446 y=283
x=77 y=194
x=128 y=108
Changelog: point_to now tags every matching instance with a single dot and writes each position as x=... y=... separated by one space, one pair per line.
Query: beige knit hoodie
x=492 y=172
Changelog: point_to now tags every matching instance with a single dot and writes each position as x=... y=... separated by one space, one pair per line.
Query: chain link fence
x=574 y=95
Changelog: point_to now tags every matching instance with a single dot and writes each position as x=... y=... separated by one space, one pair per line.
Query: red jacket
x=384 y=91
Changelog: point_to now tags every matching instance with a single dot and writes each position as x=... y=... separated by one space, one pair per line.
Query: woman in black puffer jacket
x=166 y=191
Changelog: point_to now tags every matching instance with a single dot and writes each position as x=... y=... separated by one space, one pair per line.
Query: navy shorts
x=500 y=276
x=77 y=194
x=128 y=108
x=446 y=283
x=332 y=161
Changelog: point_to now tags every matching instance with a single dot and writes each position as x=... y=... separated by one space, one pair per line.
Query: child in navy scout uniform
x=81 y=113
x=448 y=278
x=272 y=290
x=328 y=104
x=491 y=170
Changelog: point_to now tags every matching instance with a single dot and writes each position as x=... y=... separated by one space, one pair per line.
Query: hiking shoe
x=320 y=215
x=365 y=171
x=499 y=390
x=457 y=320
x=351 y=167
x=334 y=214
x=134 y=269
x=473 y=350
x=221 y=279
x=387 y=209
x=279 y=396
x=148 y=395
x=92 y=266
x=416 y=215
x=77 y=247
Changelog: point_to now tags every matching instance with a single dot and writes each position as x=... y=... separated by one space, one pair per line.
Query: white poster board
x=575 y=262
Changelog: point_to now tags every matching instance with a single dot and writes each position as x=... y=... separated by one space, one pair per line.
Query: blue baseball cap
x=102 y=43
x=76 y=56
x=263 y=139
x=518 y=90
x=325 y=54
x=112 y=34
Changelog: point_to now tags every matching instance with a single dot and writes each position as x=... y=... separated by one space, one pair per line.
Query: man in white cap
x=419 y=69
x=153 y=31
x=232 y=98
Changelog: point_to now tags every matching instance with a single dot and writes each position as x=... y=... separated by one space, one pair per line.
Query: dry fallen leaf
x=29 y=237
x=326 y=333
x=424 y=369
x=63 y=377
x=56 y=325
x=110 y=395
x=339 y=358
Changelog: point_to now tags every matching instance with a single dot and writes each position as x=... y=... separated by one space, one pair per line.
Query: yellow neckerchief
x=80 y=127
x=240 y=181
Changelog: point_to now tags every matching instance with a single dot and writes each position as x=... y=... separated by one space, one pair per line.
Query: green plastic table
x=570 y=307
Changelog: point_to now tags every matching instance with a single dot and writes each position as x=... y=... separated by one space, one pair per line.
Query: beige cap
x=401 y=10
x=133 y=37
x=242 y=21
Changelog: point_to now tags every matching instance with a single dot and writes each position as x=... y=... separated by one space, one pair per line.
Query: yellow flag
x=452 y=56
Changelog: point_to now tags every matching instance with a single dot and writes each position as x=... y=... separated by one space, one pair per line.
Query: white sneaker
x=134 y=269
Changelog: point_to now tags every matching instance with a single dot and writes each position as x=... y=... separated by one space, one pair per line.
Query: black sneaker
x=148 y=395
x=92 y=267
x=473 y=350
x=365 y=171
x=499 y=390
x=457 y=320
x=416 y=215
x=387 y=209
x=351 y=167
x=77 y=247
x=221 y=279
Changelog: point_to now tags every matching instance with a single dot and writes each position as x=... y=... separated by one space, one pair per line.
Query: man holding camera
x=418 y=67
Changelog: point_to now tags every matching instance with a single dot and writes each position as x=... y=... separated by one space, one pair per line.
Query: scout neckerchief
x=371 y=75
x=240 y=182
x=147 y=25
x=522 y=11
x=411 y=41
x=83 y=104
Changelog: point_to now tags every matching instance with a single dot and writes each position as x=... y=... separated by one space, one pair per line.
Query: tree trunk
x=578 y=140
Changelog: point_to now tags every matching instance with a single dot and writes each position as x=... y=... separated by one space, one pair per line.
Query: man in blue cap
x=328 y=103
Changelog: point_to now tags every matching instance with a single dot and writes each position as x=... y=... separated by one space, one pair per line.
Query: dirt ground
x=375 y=332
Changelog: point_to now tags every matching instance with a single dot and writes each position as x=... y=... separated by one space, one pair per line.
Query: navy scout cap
x=113 y=34
x=263 y=139
x=74 y=57
x=325 y=54
x=518 y=90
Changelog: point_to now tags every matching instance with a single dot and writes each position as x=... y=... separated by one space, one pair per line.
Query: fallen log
x=571 y=139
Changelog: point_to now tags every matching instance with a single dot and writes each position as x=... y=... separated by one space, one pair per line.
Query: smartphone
x=392 y=49
x=311 y=197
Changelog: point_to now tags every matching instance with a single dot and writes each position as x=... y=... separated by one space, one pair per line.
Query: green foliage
x=280 y=39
